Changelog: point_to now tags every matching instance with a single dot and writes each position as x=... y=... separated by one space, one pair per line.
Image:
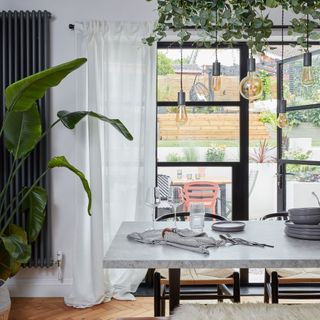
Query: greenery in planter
x=266 y=81
x=235 y=20
x=21 y=130
x=190 y=155
x=174 y=157
x=215 y=154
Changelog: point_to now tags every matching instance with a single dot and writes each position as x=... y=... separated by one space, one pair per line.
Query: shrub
x=190 y=155
x=215 y=153
x=174 y=157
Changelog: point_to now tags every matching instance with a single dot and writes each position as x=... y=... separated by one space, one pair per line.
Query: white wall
x=44 y=282
x=37 y=282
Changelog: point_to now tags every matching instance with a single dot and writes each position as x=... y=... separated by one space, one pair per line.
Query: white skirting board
x=39 y=287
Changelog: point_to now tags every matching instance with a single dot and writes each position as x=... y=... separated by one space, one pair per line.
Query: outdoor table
x=287 y=252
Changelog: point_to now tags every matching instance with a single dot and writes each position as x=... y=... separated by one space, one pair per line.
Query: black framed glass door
x=213 y=145
x=298 y=152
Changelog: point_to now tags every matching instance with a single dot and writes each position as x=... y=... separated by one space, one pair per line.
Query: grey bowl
x=304 y=211
x=305 y=219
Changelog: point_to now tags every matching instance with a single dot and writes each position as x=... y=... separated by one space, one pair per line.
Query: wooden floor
x=54 y=309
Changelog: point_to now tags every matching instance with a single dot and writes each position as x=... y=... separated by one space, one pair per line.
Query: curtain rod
x=275 y=27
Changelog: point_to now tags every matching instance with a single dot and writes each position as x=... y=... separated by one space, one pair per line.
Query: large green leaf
x=21 y=95
x=70 y=119
x=16 y=243
x=61 y=161
x=35 y=205
x=22 y=131
x=8 y=266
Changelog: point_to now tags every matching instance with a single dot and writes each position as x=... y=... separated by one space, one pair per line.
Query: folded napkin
x=180 y=238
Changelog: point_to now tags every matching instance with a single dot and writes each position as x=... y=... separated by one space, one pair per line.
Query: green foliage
x=266 y=82
x=263 y=153
x=190 y=155
x=21 y=130
x=71 y=119
x=62 y=162
x=174 y=157
x=34 y=206
x=215 y=154
x=237 y=19
x=23 y=94
x=304 y=173
x=165 y=65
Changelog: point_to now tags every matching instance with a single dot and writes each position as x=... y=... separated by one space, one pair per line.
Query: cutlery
x=246 y=242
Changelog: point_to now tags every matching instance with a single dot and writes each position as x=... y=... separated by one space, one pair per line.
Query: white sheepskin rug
x=247 y=311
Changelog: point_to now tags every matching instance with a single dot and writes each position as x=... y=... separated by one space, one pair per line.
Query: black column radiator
x=25 y=43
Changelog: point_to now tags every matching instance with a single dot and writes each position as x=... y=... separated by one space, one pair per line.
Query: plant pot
x=5 y=302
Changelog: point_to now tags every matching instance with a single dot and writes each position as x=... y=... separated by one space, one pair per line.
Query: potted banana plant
x=21 y=132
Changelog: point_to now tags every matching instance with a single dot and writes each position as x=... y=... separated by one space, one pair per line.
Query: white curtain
x=117 y=81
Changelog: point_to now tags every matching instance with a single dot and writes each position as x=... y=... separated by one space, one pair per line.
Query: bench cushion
x=299 y=273
x=199 y=274
x=247 y=311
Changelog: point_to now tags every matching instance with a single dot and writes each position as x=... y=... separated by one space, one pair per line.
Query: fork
x=246 y=242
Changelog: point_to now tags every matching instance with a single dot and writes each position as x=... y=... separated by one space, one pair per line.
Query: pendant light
x=307 y=77
x=181 y=115
x=216 y=66
x=282 y=120
x=251 y=87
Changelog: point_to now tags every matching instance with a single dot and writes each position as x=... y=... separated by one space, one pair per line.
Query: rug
x=247 y=311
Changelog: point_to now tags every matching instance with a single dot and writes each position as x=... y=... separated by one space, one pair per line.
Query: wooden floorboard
x=55 y=309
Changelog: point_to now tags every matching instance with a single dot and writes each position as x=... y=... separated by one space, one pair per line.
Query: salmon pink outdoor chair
x=201 y=191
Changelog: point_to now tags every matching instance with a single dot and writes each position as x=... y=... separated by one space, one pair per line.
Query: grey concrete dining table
x=287 y=252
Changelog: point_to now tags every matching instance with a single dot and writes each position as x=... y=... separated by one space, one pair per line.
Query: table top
x=287 y=252
x=184 y=180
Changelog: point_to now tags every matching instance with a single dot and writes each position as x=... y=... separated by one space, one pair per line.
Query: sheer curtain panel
x=119 y=81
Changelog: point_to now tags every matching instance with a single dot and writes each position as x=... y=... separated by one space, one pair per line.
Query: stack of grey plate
x=304 y=223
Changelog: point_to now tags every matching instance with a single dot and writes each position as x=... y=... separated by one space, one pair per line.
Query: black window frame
x=240 y=169
x=282 y=163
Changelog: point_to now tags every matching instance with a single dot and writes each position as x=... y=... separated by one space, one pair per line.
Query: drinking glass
x=197 y=213
x=153 y=199
x=175 y=199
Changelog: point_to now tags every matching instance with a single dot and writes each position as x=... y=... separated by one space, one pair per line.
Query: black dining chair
x=196 y=284
x=286 y=283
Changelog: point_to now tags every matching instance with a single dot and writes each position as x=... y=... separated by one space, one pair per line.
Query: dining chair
x=164 y=182
x=201 y=191
x=286 y=283
x=196 y=284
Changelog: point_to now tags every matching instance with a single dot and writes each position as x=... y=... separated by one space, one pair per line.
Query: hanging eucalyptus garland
x=238 y=20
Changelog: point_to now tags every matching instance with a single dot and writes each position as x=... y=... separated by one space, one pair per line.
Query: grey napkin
x=180 y=238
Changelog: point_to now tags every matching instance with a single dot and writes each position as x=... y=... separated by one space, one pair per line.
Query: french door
x=213 y=145
x=298 y=145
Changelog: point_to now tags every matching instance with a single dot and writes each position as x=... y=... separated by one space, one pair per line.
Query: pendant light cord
x=282 y=50
x=216 y=32
x=307 y=32
x=181 y=66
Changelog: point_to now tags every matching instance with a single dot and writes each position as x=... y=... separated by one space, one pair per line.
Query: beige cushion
x=199 y=274
x=297 y=273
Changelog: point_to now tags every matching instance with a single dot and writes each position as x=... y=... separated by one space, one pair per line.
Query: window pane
x=301 y=139
x=197 y=74
x=180 y=176
x=295 y=93
x=211 y=134
x=303 y=186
